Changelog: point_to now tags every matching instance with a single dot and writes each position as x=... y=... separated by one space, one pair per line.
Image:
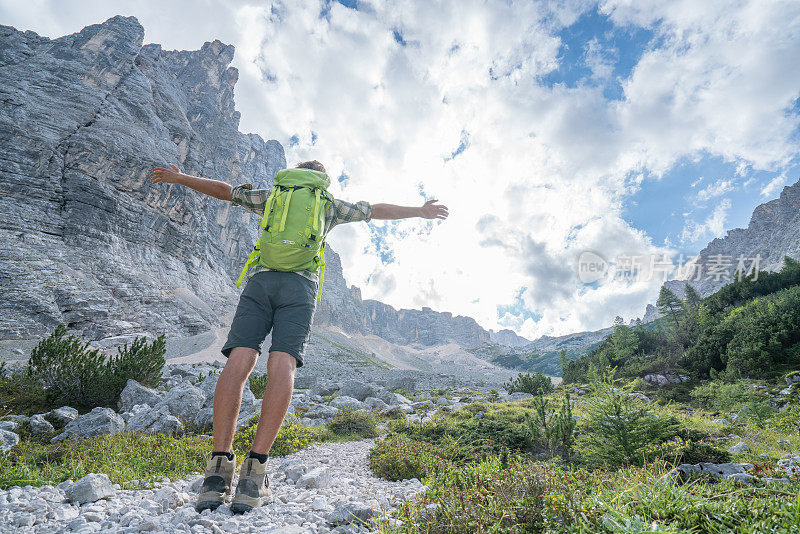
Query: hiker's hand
x=164 y=175
x=432 y=210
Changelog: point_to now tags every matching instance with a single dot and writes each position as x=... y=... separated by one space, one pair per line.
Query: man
x=278 y=300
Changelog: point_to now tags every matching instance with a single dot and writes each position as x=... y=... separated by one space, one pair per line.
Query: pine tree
x=670 y=305
x=624 y=340
x=692 y=298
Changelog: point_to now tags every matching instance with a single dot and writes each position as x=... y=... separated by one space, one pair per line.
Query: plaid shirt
x=338 y=212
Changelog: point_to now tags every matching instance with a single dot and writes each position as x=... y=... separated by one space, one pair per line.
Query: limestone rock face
x=773 y=233
x=508 y=337
x=85 y=239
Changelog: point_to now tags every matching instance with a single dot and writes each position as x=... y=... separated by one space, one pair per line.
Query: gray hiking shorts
x=283 y=302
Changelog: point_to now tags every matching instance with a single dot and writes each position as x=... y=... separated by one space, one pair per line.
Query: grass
x=136 y=456
x=482 y=477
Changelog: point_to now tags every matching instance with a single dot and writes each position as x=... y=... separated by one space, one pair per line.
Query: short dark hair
x=314 y=165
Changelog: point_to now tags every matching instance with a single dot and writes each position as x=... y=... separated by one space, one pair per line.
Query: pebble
x=340 y=495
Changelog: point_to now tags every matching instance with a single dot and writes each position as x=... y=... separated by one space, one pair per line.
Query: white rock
x=316 y=478
x=98 y=421
x=321 y=410
x=39 y=425
x=319 y=503
x=7 y=440
x=184 y=401
x=64 y=415
x=9 y=426
x=739 y=448
x=156 y=421
x=374 y=403
x=357 y=390
x=346 y=402
x=91 y=488
x=135 y=393
x=22 y=519
x=168 y=497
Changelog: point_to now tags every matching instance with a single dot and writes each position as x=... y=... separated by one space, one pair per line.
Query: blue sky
x=549 y=129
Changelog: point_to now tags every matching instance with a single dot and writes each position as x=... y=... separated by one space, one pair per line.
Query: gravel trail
x=350 y=488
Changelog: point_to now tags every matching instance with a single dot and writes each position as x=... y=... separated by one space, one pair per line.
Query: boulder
x=39 y=425
x=305 y=381
x=10 y=426
x=357 y=390
x=319 y=477
x=346 y=402
x=401 y=382
x=17 y=418
x=249 y=399
x=91 y=488
x=156 y=420
x=64 y=415
x=325 y=389
x=519 y=395
x=793 y=378
x=374 y=403
x=98 y=421
x=721 y=422
x=293 y=470
x=321 y=410
x=351 y=512
x=728 y=470
x=207 y=386
x=184 y=401
x=7 y=440
x=204 y=417
x=135 y=393
x=740 y=448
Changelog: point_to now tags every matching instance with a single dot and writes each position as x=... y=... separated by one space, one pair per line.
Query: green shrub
x=258 y=385
x=529 y=383
x=349 y=421
x=694 y=453
x=759 y=412
x=394 y=414
x=554 y=431
x=469 y=439
x=75 y=374
x=400 y=458
x=618 y=429
x=291 y=437
x=487 y=497
x=22 y=394
x=722 y=396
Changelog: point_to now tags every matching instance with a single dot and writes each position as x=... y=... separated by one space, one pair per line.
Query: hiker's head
x=314 y=165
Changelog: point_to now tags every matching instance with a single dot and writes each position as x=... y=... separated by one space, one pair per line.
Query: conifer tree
x=670 y=305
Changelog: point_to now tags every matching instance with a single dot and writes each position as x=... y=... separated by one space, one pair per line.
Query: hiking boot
x=217 y=483
x=253 y=487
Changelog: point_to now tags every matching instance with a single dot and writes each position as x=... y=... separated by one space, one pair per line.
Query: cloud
x=718 y=188
x=775 y=185
x=713 y=226
x=533 y=173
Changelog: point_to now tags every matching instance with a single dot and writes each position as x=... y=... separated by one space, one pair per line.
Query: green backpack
x=294 y=225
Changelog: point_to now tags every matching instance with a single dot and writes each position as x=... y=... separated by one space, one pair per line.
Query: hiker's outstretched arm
x=207 y=186
x=429 y=210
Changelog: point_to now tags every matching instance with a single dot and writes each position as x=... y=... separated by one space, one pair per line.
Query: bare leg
x=277 y=396
x=228 y=395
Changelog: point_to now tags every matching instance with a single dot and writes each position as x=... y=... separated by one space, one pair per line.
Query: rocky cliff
x=773 y=233
x=86 y=240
